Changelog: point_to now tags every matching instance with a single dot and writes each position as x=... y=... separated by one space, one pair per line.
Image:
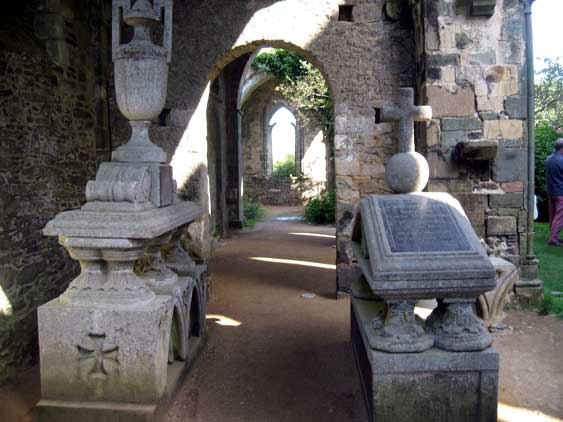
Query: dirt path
x=279 y=356
x=290 y=358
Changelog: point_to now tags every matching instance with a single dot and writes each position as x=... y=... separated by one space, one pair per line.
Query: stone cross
x=406 y=113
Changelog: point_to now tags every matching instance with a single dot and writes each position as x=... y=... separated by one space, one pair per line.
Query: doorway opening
x=270 y=134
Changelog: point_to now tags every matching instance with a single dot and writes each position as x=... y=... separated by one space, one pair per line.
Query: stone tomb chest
x=422 y=246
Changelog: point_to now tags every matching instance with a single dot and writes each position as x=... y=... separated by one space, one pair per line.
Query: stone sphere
x=407 y=172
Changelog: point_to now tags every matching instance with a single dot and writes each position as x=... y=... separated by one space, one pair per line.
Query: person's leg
x=550 y=209
x=557 y=223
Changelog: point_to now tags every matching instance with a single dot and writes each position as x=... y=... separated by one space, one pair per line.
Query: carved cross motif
x=406 y=113
x=101 y=354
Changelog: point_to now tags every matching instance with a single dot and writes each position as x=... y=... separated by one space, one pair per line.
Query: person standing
x=554 y=176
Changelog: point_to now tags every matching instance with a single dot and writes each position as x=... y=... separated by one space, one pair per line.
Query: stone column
x=530 y=285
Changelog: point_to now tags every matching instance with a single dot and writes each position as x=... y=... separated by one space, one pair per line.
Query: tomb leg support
x=400 y=332
x=457 y=328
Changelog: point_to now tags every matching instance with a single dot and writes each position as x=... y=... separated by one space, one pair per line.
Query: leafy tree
x=545 y=139
x=549 y=94
x=284 y=65
x=549 y=118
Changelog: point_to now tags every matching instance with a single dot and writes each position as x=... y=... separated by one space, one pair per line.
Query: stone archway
x=364 y=62
x=229 y=91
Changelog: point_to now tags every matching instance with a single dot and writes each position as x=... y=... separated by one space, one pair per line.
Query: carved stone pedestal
x=431 y=386
x=103 y=363
x=457 y=328
x=115 y=345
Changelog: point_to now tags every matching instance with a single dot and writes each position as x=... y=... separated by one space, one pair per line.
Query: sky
x=283 y=134
x=547 y=24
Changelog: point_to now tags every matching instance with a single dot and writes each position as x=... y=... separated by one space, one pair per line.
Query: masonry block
x=485 y=8
x=486 y=58
x=474 y=206
x=517 y=186
x=510 y=164
x=445 y=103
x=515 y=106
x=501 y=225
x=507 y=200
x=505 y=129
x=468 y=123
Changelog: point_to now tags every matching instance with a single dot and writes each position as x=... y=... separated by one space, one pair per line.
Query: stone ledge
x=134 y=225
x=482 y=150
x=483 y=8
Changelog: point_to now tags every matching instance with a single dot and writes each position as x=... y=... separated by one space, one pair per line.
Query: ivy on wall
x=301 y=83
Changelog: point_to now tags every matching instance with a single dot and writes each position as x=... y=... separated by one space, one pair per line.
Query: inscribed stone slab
x=420 y=245
x=432 y=228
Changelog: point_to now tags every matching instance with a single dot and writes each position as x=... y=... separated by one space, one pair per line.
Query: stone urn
x=141 y=73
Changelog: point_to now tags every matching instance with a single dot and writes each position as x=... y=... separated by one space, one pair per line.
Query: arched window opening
x=282 y=125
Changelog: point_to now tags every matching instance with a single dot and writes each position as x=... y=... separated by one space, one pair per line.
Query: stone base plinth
x=432 y=386
x=104 y=361
x=56 y=411
x=529 y=291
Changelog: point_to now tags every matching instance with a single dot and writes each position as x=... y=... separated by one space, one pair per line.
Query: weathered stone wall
x=474 y=77
x=254 y=151
x=53 y=127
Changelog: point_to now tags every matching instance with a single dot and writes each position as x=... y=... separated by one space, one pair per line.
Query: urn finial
x=141 y=73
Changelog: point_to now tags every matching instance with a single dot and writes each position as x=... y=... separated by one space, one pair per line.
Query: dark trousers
x=555 y=205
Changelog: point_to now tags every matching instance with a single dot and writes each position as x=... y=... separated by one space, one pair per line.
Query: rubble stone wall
x=474 y=77
x=54 y=127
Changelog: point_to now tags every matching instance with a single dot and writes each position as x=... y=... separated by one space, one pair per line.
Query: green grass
x=551 y=270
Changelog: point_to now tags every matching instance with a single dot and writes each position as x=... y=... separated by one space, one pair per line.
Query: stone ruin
x=413 y=246
x=467 y=62
x=116 y=343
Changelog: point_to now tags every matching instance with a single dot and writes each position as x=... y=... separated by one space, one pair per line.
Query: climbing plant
x=301 y=83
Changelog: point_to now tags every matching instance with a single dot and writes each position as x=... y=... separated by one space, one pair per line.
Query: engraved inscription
x=421 y=226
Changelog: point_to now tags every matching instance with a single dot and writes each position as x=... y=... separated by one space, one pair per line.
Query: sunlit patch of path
x=507 y=413
x=294 y=262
